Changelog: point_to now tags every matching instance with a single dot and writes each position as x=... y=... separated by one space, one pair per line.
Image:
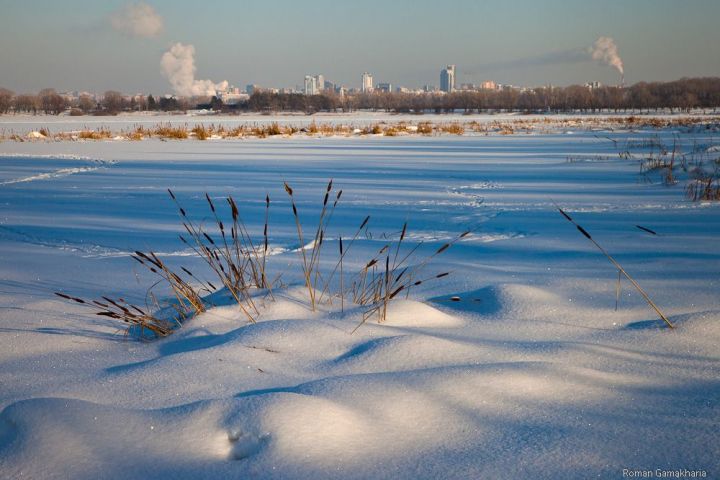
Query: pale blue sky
x=70 y=44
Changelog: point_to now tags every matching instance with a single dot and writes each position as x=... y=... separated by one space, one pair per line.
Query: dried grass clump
x=373 y=287
x=139 y=133
x=342 y=129
x=390 y=273
x=425 y=128
x=201 y=133
x=188 y=299
x=99 y=134
x=274 y=129
x=452 y=128
x=240 y=264
x=704 y=187
x=130 y=314
x=167 y=131
x=238 y=132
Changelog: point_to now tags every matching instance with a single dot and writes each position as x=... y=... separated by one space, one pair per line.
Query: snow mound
x=357 y=426
x=108 y=442
x=406 y=352
x=499 y=300
x=411 y=313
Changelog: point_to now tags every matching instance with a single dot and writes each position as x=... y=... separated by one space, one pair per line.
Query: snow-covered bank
x=531 y=373
x=136 y=127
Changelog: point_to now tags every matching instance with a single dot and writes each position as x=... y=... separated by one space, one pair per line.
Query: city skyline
x=118 y=45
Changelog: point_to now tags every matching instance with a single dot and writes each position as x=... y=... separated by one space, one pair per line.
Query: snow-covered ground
x=531 y=374
x=24 y=124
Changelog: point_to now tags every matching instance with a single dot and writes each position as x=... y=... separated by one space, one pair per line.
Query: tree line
x=680 y=95
x=48 y=101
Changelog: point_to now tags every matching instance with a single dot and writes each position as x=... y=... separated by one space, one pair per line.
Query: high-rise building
x=320 y=81
x=311 y=86
x=385 y=87
x=447 y=79
x=367 y=83
x=488 y=85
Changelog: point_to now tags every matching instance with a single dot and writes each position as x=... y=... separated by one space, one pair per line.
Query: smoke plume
x=178 y=65
x=137 y=20
x=605 y=51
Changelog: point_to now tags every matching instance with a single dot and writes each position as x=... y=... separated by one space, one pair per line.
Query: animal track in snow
x=244 y=445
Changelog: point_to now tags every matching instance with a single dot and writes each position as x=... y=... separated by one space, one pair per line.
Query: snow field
x=516 y=365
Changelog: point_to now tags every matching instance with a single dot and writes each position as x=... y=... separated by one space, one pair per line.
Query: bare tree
x=641 y=96
x=113 y=102
x=51 y=102
x=6 y=97
x=86 y=103
x=27 y=103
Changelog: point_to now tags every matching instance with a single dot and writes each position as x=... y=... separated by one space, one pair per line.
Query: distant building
x=320 y=81
x=250 y=89
x=311 y=85
x=447 y=79
x=385 y=87
x=593 y=85
x=233 y=98
x=468 y=86
x=429 y=88
x=488 y=85
x=367 y=83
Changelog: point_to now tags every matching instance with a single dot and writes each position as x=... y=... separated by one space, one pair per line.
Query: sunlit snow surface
x=531 y=374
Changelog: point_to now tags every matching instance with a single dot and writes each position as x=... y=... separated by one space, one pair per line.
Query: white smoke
x=178 y=65
x=137 y=20
x=605 y=51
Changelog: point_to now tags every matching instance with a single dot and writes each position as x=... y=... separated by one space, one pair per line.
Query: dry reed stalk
x=184 y=293
x=342 y=288
x=437 y=252
x=230 y=262
x=342 y=255
x=245 y=249
x=323 y=222
x=126 y=313
x=377 y=288
x=617 y=265
x=311 y=266
x=377 y=307
x=305 y=266
x=265 y=244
